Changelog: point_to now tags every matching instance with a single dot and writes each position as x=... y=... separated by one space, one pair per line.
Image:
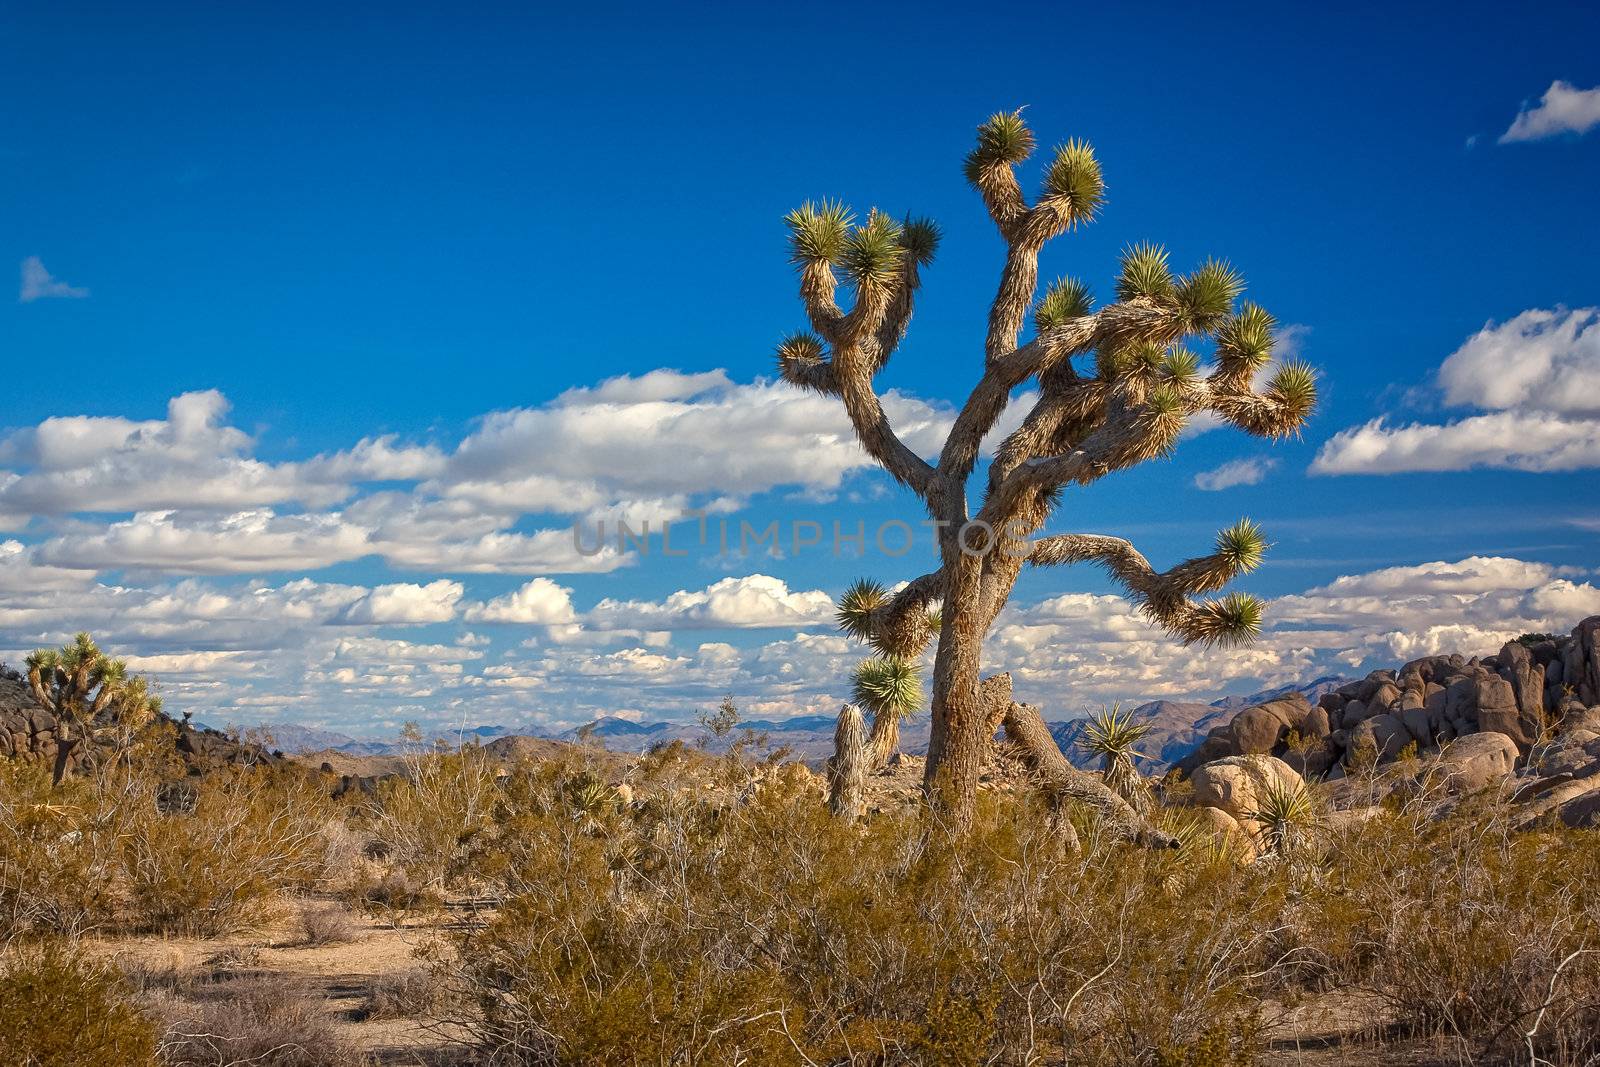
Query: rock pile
x=1522 y=692
x=1530 y=714
x=28 y=734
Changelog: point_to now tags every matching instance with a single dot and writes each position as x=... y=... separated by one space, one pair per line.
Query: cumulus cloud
x=1564 y=108
x=756 y=601
x=40 y=284
x=190 y=459
x=1538 y=378
x=540 y=602
x=405 y=603
x=1236 y=472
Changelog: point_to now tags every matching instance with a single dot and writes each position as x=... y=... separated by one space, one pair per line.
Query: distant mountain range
x=1177 y=727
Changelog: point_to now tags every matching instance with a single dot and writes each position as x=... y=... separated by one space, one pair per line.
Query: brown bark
x=1063 y=782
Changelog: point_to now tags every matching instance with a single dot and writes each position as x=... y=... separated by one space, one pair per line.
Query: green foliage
x=1145 y=273
x=59 y=1007
x=1181 y=365
x=1112 y=734
x=1288 y=813
x=1003 y=138
x=873 y=252
x=1064 y=301
x=920 y=239
x=888 y=684
x=818 y=231
x=1294 y=387
x=1073 y=184
x=1206 y=297
x=1246 y=337
x=1231 y=620
x=860 y=600
x=1243 y=545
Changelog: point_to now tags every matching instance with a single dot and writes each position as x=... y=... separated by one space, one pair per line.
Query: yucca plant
x=1114 y=386
x=1112 y=735
x=890 y=689
x=90 y=695
x=1289 y=816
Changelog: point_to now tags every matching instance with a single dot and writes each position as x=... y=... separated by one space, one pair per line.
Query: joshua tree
x=847 y=771
x=1125 y=402
x=88 y=693
x=1112 y=734
x=890 y=688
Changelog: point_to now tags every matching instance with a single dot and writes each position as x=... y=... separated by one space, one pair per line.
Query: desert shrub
x=765 y=931
x=257 y=1022
x=251 y=836
x=429 y=821
x=60 y=852
x=403 y=995
x=1464 y=928
x=56 y=1006
x=324 y=924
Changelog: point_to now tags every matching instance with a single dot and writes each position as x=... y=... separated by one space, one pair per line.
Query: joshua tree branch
x=1062 y=781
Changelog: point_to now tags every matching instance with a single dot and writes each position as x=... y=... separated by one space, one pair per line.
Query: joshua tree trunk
x=883 y=740
x=847 y=774
x=65 y=743
x=1138 y=387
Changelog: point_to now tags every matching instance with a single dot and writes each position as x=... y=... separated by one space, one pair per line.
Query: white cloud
x=1236 y=472
x=1543 y=360
x=1564 y=108
x=756 y=601
x=539 y=602
x=1538 y=377
x=406 y=603
x=246 y=542
x=40 y=284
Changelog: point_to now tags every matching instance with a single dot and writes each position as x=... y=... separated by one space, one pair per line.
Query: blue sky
x=393 y=224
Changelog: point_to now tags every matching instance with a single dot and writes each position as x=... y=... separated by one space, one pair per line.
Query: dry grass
x=325 y=924
x=257 y=1022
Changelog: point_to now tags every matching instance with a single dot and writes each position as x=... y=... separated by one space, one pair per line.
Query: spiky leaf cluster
x=860 y=600
x=818 y=231
x=1166 y=417
x=888 y=685
x=1228 y=622
x=1242 y=545
x=873 y=252
x=1073 y=185
x=1003 y=139
x=1144 y=273
x=1246 y=338
x=919 y=237
x=1181 y=365
x=1112 y=733
x=1294 y=389
x=802 y=348
x=1065 y=300
x=1206 y=297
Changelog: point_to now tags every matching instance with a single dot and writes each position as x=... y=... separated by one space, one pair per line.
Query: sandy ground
x=337 y=976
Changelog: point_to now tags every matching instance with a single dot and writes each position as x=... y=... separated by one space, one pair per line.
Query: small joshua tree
x=1112 y=734
x=891 y=689
x=89 y=694
x=847 y=771
x=1126 y=402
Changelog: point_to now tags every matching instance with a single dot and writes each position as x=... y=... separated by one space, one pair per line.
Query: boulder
x=1237 y=784
x=1518 y=667
x=1385 y=733
x=1478 y=761
x=1582 y=660
x=1263 y=727
x=1582 y=812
